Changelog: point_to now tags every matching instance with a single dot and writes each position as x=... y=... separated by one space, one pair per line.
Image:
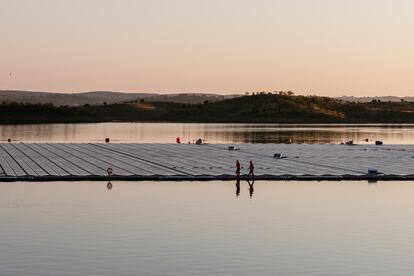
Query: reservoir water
x=204 y=228
x=213 y=133
x=207 y=228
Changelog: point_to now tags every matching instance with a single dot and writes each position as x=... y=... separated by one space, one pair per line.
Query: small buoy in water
x=178 y=140
x=109 y=185
x=379 y=143
x=366 y=140
x=9 y=140
x=109 y=171
x=106 y=140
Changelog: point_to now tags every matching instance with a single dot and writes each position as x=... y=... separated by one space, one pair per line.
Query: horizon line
x=201 y=93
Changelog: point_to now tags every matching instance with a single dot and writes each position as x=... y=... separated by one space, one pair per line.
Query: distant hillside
x=100 y=97
x=370 y=99
x=192 y=98
x=259 y=108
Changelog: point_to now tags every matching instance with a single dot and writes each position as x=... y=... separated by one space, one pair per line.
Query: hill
x=100 y=97
x=97 y=97
x=262 y=108
x=192 y=98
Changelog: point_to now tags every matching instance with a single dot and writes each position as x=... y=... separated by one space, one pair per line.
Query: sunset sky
x=324 y=47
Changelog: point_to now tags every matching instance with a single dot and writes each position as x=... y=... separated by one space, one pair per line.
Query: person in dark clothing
x=238 y=169
x=251 y=169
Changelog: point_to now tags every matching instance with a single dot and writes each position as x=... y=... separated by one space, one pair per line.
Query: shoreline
x=281 y=123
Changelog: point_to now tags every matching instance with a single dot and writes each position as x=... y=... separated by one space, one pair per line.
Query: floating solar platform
x=77 y=162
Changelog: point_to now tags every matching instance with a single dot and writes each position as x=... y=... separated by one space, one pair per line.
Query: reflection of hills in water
x=396 y=134
x=212 y=133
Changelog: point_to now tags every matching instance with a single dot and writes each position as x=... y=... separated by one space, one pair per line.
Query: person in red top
x=251 y=169
x=238 y=169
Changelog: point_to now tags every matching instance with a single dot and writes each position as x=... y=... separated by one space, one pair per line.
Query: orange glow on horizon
x=324 y=47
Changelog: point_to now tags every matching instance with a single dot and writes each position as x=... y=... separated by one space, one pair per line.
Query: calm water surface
x=192 y=228
x=152 y=228
x=213 y=133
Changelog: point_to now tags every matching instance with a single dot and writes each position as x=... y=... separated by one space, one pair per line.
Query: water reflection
x=294 y=228
x=372 y=182
x=109 y=186
x=212 y=133
x=251 y=187
x=238 y=188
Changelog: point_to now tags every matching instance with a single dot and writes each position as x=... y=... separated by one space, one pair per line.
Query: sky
x=322 y=47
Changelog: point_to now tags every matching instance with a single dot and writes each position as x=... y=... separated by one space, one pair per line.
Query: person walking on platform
x=238 y=169
x=251 y=169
